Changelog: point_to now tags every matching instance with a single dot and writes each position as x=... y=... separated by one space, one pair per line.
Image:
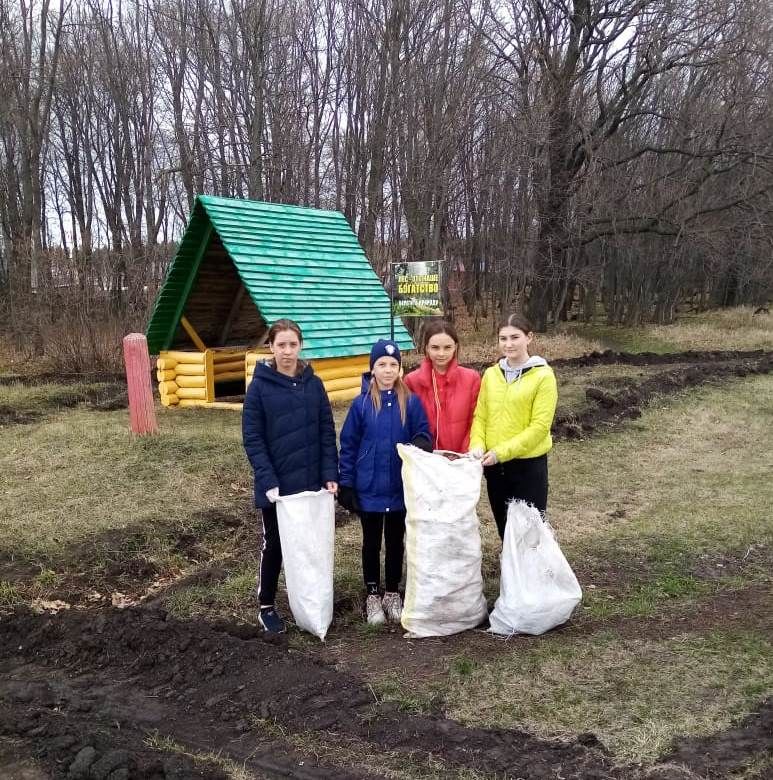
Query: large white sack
x=307 y=531
x=537 y=590
x=444 y=586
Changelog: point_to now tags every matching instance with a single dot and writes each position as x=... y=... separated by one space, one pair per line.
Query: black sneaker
x=271 y=621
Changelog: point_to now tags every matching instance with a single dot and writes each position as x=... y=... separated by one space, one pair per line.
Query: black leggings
x=525 y=479
x=270 y=558
x=392 y=526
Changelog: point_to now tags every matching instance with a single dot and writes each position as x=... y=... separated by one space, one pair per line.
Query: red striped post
x=142 y=412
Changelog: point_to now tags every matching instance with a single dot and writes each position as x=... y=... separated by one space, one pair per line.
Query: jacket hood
x=533 y=362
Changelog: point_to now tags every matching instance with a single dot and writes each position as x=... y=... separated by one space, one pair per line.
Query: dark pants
x=525 y=479
x=271 y=557
x=392 y=526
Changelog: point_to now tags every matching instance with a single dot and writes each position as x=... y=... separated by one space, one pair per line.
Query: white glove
x=272 y=495
x=476 y=453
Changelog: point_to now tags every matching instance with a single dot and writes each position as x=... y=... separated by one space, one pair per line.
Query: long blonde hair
x=401 y=391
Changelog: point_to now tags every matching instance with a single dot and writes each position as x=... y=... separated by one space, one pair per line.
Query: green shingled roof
x=301 y=263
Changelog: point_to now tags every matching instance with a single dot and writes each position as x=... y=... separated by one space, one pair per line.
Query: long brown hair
x=434 y=327
x=401 y=391
x=281 y=325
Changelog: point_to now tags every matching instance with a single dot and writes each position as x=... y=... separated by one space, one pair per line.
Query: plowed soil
x=82 y=691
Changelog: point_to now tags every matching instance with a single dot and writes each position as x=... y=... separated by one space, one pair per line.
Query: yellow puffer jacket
x=514 y=419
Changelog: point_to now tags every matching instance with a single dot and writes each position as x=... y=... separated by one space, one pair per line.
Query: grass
x=49 y=396
x=644 y=599
x=572 y=383
x=635 y=695
x=235 y=595
x=720 y=329
x=201 y=759
x=356 y=754
x=637 y=510
x=691 y=476
x=79 y=489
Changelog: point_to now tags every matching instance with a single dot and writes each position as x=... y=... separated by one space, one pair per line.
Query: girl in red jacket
x=448 y=392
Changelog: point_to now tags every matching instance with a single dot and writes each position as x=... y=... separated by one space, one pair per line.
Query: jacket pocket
x=364 y=471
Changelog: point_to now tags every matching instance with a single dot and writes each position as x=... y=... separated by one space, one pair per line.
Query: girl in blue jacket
x=290 y=439
x=383 y=416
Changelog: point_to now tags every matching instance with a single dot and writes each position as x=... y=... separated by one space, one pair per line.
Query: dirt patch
x=54 y=377
x=101 y=397
x=129 y=560
x=612 y=408
x=749 y=608
x=719 y=565
x=130 y=673
x=610 y=357
x=11 y=416
x=621 y=399
x=718 y=755
x=93 y=687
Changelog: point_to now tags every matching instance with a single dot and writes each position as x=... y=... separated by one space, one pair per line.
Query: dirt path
x=82 y=691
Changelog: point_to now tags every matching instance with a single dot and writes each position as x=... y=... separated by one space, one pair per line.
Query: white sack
x=538 y=589
x=307 y=531
x=444 y=586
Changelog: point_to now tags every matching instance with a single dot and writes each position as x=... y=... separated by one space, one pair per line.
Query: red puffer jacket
x=449 y=401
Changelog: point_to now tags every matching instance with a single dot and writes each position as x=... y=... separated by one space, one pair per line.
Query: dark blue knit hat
x=384 y=348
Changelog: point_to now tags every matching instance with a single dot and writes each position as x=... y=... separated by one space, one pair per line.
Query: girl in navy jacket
x=290 y=439
x=384 y=415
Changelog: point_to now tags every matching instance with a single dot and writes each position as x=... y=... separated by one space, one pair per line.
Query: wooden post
x=142 y=412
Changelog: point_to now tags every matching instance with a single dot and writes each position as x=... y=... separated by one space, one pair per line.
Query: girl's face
x=441 y=349
x=514 y=343
x=385 y=371
x=286 y=348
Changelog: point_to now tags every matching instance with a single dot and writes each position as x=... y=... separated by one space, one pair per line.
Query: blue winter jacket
x=369 y=460
x=288 y=432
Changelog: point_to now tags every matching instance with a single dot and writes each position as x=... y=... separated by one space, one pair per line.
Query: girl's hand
x=331 y=487
x=476 y=453
x=489 y=459
x=347 y=498
x=272 y=495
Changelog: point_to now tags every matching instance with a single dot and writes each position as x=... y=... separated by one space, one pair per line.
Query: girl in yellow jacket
x=512 y=421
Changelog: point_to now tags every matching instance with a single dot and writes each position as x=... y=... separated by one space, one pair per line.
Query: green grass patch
x=80 y=486
x=644 y=599
x=690 y=478
x=10 y=595
x=720 y=329
x=392 y=688
x=637 y=696
x=622 y=339
x=235 y=594
x=50 y=396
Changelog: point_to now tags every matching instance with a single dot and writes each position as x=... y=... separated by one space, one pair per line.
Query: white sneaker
x=374 y=610
x=393 y=606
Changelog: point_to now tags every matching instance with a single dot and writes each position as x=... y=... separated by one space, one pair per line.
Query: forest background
x=586 y=159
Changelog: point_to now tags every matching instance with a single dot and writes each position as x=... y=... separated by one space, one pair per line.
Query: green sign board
x=416 y=289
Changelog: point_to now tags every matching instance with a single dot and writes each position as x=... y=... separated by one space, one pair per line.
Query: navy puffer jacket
x=288 y=432
x=369 y=460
